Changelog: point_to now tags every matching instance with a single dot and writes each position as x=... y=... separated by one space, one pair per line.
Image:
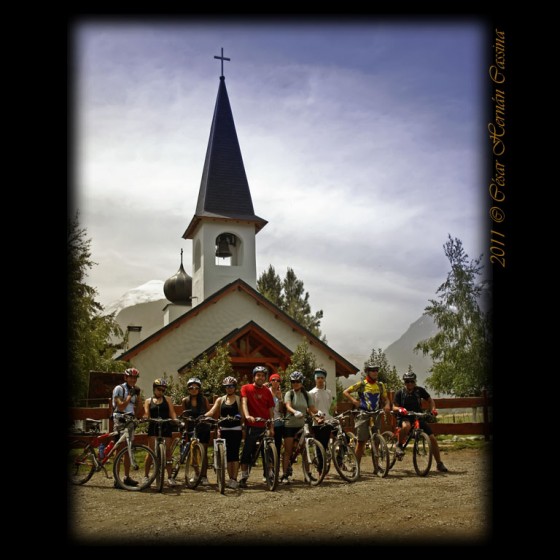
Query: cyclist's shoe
x=171 y=482
x=289 y=472
x=204 y=481
x=129 y=482
x=243 y=482
x=233 y=484
x=285 y=479
x=441 y=467
x=399 y=451
x=312 y=478
x=145 y=481
x=264 y=479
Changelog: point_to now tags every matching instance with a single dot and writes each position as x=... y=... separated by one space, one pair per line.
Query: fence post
x=485 y=418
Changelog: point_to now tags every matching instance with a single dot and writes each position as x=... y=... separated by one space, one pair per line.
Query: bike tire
x=81 y=463
x=391 y=441
x=220 y=462
x=379 y=455
x=141 y=454
x=314 y=462
x=161 y=463
x=345 y=461
x=175 y=457
x=271 y=465
x=422 y=454
x=195 y=461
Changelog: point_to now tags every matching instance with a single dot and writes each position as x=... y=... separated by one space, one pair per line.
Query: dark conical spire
x=224 y=189
x=178 y=288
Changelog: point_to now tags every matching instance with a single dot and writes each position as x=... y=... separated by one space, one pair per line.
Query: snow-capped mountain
x=148 y=292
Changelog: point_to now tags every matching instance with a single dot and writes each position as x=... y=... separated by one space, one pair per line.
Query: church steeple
x=224 y=225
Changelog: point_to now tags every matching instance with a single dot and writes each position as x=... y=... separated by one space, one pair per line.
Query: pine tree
x=88 y=329
x=461 y=349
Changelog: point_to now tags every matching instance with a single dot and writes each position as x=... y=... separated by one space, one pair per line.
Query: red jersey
x=259 y=402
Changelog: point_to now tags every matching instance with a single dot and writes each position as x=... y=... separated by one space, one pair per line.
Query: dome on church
x=178 y=288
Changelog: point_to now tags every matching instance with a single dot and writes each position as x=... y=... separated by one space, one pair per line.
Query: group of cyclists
x=262 y=400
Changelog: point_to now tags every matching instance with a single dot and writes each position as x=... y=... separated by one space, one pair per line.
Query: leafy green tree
x=461 y=350
x=387 y=373
x=290 y=296
x=210 y=371
x=88 y=329
x=302 y=360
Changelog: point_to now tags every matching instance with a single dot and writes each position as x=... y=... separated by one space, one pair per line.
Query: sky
x=364 y=144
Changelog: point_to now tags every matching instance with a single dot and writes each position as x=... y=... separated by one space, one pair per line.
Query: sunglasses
x=407 y=382
x=230 y=386
x=295 y=381
x=161 y=388
x=193 y=387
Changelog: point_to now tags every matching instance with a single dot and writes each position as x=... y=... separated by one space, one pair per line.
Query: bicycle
x=421 y=449
x=265 y=445
x=85 y=459
x=160 y=452
x=341 y=453
x=219 y=463
x=377 y=444
x=314 y=458
x=188 y=452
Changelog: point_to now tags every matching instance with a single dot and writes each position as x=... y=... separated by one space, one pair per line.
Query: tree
x=387 y=373
x=290 y=296
x=461 y=349
x=88 y=329
x=210 y=371
x=302 y=360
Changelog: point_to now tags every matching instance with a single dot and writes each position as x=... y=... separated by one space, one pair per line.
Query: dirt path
x=451 y=507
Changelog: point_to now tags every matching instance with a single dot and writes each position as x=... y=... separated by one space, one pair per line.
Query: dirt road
x=442 y=508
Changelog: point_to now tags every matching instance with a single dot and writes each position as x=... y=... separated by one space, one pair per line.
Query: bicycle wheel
x=345 y=461
x=142 y=466
x=176 y=450
x=161 y=462
x=81 y=464
x=194 y=463
x=422 y=454
x=379 y=455
x=270 y=465
x=391 y=441
x=220 y=463
x=313 y=462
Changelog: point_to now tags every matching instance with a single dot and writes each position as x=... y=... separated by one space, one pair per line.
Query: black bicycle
x=160 y=451
x=188 y=452
x=340 y=451
x=266 y=446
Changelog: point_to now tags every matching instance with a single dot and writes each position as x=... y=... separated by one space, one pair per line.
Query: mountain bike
x=160 y=452
x=340 y=452
x=313 y=455
x=220 y=451
x=86 y=458
x=421 y=448
x=265 y=445
x=377 y=443
x=188 y=452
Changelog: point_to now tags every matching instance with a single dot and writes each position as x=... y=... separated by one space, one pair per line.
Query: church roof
x=224 y=190
x=343 y=366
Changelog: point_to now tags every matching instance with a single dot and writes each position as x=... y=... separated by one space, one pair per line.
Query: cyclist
x=230 y=405
x=410 y=398
x=372 y=397
x=256 y=401
x=322 y=398
x=126 y=397
x=279 y=409
x=298 y=403
x=160 y=406
x=195 y=404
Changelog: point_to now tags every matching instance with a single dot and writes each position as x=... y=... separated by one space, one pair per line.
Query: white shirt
x=322 y=399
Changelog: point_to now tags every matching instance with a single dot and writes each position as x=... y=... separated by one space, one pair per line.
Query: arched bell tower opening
x=228 y=250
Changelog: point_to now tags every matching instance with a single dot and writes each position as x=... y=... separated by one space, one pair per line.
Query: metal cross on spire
x=222 y=58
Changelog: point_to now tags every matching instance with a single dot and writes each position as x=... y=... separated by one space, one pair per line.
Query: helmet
x=159 y=383
x=194 y=381
x=320 y=371
x=132 y=372
x=371 y=367
x=409 y=376
x=229 y=381
x=260 y=369
x=296 y=376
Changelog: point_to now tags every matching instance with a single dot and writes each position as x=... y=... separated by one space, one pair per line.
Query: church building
x=220 y=303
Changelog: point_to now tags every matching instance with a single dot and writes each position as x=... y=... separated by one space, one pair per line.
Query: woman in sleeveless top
x=230 y=405
x=160 y=406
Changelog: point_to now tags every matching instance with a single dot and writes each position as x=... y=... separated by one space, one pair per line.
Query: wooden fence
x=465 y=428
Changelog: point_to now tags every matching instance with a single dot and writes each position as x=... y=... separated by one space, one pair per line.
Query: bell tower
x=224 y=226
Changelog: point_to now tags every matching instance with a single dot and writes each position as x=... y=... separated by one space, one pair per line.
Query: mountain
x=148 y=292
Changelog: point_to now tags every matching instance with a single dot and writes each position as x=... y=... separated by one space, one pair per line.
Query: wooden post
x=485 y=418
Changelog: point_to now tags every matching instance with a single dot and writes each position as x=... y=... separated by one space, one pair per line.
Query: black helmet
x=409 y=376
x=159 y=383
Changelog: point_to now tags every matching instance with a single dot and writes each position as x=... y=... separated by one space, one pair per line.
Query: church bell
x=223 y=250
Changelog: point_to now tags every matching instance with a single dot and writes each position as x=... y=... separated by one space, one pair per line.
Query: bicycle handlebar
x=412 y=414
